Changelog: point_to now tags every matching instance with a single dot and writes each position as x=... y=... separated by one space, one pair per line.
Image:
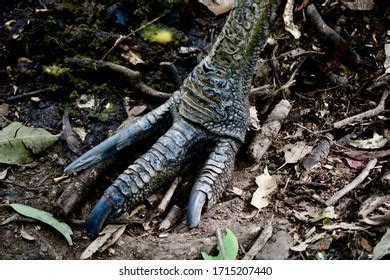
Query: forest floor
x=37 y=40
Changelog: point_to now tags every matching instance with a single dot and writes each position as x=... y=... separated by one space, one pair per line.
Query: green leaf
x=230 y=243
x=44 y=217
x=19 y=142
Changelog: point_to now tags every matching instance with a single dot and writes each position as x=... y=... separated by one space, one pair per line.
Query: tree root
x=132 y=77
x=343 y=51
x=338 y=195
x=370 y=113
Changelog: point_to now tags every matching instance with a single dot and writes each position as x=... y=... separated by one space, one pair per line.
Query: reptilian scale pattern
x=210 y=107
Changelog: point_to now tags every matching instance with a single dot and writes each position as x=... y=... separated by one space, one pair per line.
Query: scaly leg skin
x=211 y=107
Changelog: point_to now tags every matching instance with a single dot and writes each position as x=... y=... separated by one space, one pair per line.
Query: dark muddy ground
x=36 y=37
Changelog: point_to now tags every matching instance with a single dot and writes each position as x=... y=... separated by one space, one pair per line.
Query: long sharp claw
x=98 y=216
x=195 y=205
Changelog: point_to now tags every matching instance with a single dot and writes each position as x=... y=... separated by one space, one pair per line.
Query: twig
x=288 y=20
x=368 y=206
x=370 y=113
x=309 y=184
x=133 y=77
x=168 y=195
x=260 y=91
x=26 y=95
x=172 y=217
x=366 y=155
x=269 y=130
x=259 y=243
x=220 y=244
x=338 y=195
x=60 y=179
x=122 y=38
x=71 y=139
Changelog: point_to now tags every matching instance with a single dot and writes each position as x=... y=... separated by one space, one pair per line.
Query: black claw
x=195 y=205
x=98 y=216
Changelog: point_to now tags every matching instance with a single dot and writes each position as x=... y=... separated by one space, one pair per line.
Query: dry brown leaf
x=303 y=246
x=218 y=7
x=132 y=57
x=266 y=185
x=296 y=152
x=109 y=235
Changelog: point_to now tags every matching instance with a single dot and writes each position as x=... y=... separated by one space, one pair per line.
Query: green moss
x=55 y=70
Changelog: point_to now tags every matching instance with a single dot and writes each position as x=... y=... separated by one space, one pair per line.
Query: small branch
x=71 y=139
x=368 y=114
x=172 y=217
x=366 y=171
x=368 y=206
x=168 y=195
x=269 y=130
x=26 y=95
x=259 y=243
x=122 y=38
x=367 y=155
x=220 y=244
x=288 y=20
x=133 y=77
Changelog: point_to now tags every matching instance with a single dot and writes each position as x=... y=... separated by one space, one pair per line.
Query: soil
x=37 y=36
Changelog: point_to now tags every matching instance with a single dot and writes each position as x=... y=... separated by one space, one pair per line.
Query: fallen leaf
x=108 y=236
x=81 y=133
x=230 y=244
x=132 y=57
x=4 y=109
x=266 y=185
x=44 y=217
x=359 y=5
x=327 y=213
x=303 y=246
x=19 y=142
x=3 y=174
x=376 y=142
x=218 y=7
x=383 y=247
x=355 y=164
x=296 y=152
x=365 y=245
x=71 y=139
x=86 y=102
x=24 y=234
